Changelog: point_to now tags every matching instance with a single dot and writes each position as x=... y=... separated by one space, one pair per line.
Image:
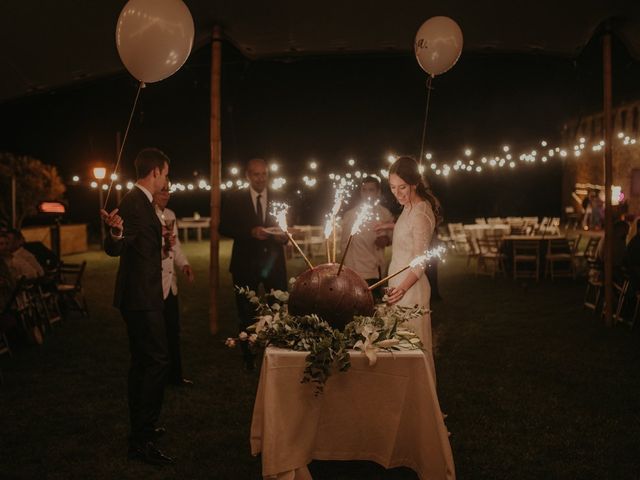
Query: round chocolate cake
x=334 y=298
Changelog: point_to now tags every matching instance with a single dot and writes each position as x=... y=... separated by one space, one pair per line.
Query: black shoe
x=159 y=432
x=149 y=453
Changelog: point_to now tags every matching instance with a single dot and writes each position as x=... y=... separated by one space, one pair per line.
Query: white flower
x=389 y=342
x=292 y=280
x=263 y=322
x=280 y=295
x=243 y=336
x=252 y=338
x=252 y=293
x=368 y=347
x=254 y=300
x=275 y=307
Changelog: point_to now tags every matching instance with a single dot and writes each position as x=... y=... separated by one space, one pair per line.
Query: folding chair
x=70 y=287
x=526 y=252
x=559 y=252
x=472 y=251
x=28 y=312
x=490 y=258
x=593 y=293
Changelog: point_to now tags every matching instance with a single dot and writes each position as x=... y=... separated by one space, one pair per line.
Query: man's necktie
x=259 y=209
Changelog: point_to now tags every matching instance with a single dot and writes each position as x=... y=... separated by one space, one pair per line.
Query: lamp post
x=99 y=173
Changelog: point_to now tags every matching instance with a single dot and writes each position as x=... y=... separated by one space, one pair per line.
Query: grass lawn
x=534 y=388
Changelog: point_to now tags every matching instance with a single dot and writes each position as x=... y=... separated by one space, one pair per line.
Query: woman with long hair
x=411 y=237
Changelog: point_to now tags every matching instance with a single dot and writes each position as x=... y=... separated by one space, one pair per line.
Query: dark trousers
x=172 y=325
x=148 y=371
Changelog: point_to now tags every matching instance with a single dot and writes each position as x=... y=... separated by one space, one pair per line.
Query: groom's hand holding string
x=113 y=221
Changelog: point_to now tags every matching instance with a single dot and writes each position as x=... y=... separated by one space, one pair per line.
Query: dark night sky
x=330 y=109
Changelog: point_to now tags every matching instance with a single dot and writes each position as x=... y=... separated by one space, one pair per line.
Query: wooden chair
x=472 y=251
x=559 y=253
x=591 y=249
x=48 y=295
x=593 y=293
x=29 y=313
x=622 y=291
x=490 y=258
x=70 y=287
x=526 y=252
x=458 y=236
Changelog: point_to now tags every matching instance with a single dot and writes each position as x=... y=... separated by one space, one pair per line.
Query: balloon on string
x=438 y=45
x=154 y=38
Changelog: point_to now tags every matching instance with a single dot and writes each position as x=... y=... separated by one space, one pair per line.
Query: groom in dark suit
x=136 y=237
x=257 y=256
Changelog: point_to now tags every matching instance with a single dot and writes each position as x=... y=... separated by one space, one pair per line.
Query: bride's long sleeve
x=422 y=227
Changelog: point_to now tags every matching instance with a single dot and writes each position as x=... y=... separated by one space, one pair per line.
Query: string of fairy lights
x=466 y=163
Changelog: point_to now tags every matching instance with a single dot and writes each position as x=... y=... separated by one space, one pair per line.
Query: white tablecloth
x=388 y=414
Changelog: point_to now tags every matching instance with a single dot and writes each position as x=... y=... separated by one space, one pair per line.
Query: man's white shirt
x=176 y=258
x=364 y=257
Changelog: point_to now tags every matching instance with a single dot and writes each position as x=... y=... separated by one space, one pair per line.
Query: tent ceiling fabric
x=53 y=44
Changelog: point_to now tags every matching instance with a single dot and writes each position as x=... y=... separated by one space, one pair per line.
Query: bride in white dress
x=411 y=237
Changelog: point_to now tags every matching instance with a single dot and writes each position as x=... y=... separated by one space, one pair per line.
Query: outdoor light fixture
x=114 y=176
x=273 y=167
x=76 y=178
x=351 y=162
x=94 y=184
x=52 y=207
x=313 y=165
x=99 y=173
x=234 y=170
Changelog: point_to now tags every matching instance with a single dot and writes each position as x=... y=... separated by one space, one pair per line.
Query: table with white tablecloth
x=388 y=413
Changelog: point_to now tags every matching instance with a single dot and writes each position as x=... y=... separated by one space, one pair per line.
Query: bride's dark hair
x=407 y=169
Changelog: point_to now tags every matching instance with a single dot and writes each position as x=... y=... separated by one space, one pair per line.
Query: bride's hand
x=394 y=295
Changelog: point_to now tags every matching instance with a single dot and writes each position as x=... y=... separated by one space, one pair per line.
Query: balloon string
x=426 y=116
x=124 y=140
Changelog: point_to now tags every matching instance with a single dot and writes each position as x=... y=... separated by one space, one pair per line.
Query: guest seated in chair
x=23 y=262
x=632 y=259
x=619 y=239
x=7 y=281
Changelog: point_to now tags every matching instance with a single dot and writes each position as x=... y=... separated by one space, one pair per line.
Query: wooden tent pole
x=215 y=168
x=608 y=171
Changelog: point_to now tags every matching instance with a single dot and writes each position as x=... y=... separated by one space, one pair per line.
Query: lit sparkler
x=328 y=227
x=419 y=261
x=279 y=212
x=364 y=213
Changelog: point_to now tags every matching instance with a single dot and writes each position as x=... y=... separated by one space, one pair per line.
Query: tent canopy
x=53 y=44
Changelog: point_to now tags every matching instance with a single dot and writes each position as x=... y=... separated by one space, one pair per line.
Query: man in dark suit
x=257 y=256
x=136 y=237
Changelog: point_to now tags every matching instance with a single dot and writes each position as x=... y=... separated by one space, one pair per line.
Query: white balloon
x=438 y=45
x=154 y=38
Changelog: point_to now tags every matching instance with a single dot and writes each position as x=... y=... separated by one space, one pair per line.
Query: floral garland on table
x=328 y=348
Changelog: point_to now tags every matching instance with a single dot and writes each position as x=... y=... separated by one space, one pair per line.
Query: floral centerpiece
x=328 y=347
